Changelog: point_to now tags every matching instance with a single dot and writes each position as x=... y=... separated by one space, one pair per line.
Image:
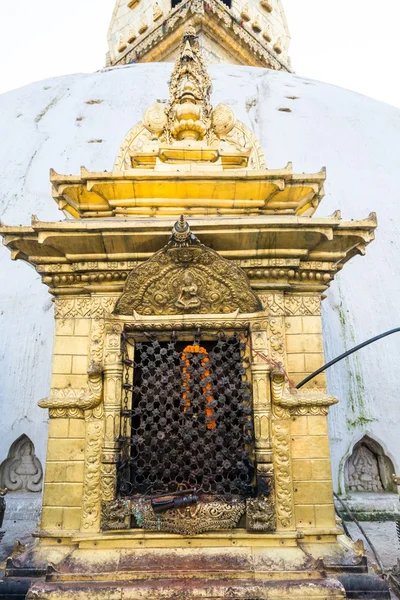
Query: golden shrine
x=182 y=462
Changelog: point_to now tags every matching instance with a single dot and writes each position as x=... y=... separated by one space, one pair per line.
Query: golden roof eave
x=307 y=251
x=140 y=192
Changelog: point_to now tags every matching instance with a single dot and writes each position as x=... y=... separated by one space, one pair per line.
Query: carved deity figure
x=363 y=471
x=188 y=298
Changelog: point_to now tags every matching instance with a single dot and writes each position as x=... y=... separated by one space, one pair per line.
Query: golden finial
x=131 y=36
x=256 y=25
x=157 y=12
x=245 y=14
x=189 y=108
x=143 y=25
x=267 y=35
x=121 y=43
x=278 y=46
x=189 y=31
x=181 y=234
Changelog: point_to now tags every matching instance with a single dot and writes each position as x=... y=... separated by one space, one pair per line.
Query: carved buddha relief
x=188 y=298
x=368 y=469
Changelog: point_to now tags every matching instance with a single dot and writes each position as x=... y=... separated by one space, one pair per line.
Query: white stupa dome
x=81 y=119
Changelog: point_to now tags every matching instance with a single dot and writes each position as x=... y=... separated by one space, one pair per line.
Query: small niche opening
x=368 y=469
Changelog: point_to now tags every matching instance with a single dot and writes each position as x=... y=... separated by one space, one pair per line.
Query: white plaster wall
x=81 y=120
x=125 y=18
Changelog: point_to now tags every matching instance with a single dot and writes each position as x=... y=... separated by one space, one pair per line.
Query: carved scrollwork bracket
x=78 y=399
x=296 y=403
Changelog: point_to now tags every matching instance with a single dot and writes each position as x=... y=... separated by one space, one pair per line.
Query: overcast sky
x=351 y=43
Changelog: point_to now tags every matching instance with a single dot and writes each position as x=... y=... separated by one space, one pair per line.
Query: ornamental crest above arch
x=186 y=277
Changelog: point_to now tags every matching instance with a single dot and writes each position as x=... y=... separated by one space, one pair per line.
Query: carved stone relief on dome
x=21 y=471
x=368 y=469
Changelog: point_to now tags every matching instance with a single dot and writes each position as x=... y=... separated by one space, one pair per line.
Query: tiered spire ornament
x=181 y=234
x=189 y=108
x=187 y=128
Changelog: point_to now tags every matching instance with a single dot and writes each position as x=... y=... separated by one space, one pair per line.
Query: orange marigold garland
x=207 y=387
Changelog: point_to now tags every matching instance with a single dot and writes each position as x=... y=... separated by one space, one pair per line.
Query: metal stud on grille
x=191 y=419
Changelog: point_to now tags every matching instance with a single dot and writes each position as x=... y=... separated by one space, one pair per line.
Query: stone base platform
x=166 y=567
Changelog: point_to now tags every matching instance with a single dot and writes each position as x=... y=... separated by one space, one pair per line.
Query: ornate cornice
x=309 y=253
x=209 y=15
x=84 y=307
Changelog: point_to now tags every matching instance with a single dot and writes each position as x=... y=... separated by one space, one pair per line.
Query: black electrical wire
x=345 y=355
x=357 y=522
x=343 y=523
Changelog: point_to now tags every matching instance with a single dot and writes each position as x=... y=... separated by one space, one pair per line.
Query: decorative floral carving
x=283 y=478
x=186 y=278
x=97 y=332
x=84 y=307
x=94 y=417
x=108 y=480
x=204 y=516
x=278 y=304
x=273 y=303
x=66 y=413
x=276 y=340
x=115 y=515
x=91 y=492
x=299 y=305
x=261 y=514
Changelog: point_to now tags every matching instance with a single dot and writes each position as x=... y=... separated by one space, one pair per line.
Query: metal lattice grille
x=191 y=419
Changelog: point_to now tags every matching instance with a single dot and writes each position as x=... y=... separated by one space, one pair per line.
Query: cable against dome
x=345 y=355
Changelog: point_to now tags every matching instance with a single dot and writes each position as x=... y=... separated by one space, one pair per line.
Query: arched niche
x=368 y=469
x=21 y=471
